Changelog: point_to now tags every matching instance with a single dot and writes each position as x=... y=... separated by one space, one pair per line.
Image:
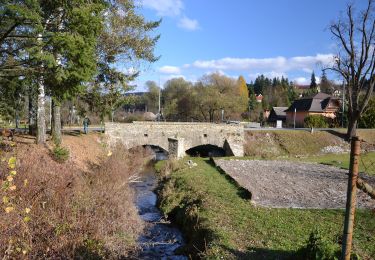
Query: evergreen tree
x=72 y=39
x=326 y=85
x=313 y=84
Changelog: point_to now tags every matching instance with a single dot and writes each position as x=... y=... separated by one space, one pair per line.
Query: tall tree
x=125 y=43
x=152 y=96
x=174 y=90
x=326 y=85
x=243 y=92
x=313 y=84
x=355 y=61
x=72 y=38
x=216 y=92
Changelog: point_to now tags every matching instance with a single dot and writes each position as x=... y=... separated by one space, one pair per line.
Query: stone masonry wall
x=194 y=134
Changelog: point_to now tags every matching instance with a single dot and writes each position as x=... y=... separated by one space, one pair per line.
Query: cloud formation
x=172 y=8
x=188 y=24
x=169 y=70
x=277 y=64
x=165 y=7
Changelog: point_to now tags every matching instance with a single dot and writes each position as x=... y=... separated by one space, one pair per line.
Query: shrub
x=316 y=121
x=60 y=154
x=319 y=247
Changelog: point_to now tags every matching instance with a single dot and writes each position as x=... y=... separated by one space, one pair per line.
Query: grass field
x=220 y=222
x=367 y=161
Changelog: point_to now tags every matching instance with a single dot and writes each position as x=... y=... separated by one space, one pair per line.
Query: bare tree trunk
x=41 y=115
x=56 y=129
x=52 y=116
x=31 y=115
x=351 y=198
x=352 y=129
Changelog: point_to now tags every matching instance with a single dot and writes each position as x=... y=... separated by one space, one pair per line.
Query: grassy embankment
x=220 y=222
x=79 y=209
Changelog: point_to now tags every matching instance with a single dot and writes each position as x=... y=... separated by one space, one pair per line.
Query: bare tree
x=355 y=61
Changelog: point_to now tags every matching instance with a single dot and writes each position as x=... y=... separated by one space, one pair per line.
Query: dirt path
x=285 y=184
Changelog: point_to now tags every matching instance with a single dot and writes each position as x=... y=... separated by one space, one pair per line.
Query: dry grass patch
x=271 y=144
x=60 y=212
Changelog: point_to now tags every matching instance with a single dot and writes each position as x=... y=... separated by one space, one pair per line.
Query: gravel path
x=285 y=184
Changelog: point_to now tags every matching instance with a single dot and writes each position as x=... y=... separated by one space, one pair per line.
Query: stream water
x=160 y=238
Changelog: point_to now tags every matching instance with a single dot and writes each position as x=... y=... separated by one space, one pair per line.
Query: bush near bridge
x=220 y=222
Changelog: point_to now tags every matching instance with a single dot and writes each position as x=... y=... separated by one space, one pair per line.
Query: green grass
x=220 y=222
x=366 y=162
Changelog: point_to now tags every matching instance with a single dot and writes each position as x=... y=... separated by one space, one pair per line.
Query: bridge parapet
x=229 y=137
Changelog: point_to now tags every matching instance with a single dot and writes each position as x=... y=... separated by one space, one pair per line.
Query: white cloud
x=301 y=81
x=188 y=24
x=165 y=7
x=165 y=78
x=305 y=81
x=268 y=74
x=172 y=8
x=277 y=64
x=170 y=70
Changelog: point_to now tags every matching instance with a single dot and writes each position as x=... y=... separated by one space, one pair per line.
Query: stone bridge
x=176 y=138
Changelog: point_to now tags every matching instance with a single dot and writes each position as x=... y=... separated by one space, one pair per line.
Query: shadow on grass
x=337 y=133
x=241 y=192
x=264 y=253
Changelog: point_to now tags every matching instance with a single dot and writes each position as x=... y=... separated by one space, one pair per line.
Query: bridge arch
x=206 y=150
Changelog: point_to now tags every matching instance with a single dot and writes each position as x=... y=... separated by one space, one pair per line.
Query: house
x=277 y=114
x=320 y=104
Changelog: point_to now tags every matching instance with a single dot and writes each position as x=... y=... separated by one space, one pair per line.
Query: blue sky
x=241 y=37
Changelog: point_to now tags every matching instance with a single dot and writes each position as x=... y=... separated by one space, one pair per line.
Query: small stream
x=160 y=238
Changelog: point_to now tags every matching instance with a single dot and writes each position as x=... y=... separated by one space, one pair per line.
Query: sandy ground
x=285 y=184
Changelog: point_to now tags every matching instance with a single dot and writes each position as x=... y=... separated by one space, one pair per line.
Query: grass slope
x=220 y=222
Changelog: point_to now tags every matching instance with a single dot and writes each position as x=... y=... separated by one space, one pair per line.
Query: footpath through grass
x=220 y=221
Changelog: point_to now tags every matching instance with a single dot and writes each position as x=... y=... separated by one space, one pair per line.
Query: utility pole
x=294 y=119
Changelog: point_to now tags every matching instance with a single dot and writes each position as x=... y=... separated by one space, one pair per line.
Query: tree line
x=212 y=98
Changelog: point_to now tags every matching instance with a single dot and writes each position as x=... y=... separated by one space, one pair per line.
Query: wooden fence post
x=351 y=198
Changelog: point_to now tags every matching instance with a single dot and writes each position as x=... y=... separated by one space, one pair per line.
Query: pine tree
x=313 y=84
x=325 y=84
